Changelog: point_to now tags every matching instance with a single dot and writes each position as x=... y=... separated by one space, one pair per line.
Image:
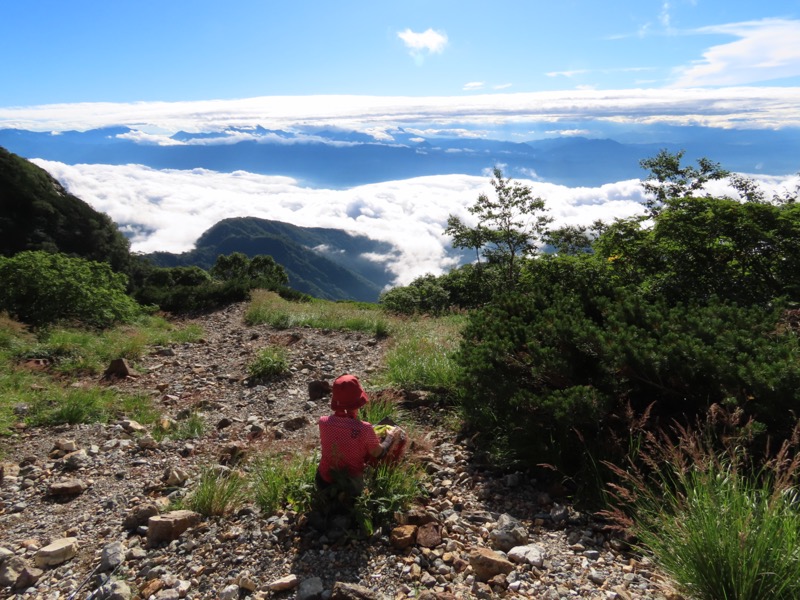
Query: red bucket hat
x=348 y=394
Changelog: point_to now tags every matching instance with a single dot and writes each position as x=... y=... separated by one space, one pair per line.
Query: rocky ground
x=84 y=509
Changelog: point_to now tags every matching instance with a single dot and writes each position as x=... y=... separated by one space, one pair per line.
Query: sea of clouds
x=167 y=210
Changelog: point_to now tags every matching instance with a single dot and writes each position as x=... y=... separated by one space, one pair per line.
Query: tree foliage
x=190 y=289
x=37 y=213
x=665 y=318
x=669 y=179
x=40 y=288
x=509 y=229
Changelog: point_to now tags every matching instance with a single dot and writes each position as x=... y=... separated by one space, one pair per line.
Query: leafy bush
x=40 y=289
x=699 y=248
x=465 y=287
x=540 y=367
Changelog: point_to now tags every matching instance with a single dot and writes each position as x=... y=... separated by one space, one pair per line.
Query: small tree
x=669 y=179
x=509 y=227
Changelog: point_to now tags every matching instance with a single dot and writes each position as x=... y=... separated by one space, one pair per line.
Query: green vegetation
x=509 y=228
x=422 y=353
x=32 y=394
x=40 y=289
x=269 y=362
x=192 y=427
x=389 y=488
x=190 y=288
x=218 y=492
x=280 y=482
x=37 y=213
x=715 y=525
x=270 y=309
x=378 y=409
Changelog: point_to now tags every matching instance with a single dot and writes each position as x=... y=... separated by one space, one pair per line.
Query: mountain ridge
x=340 y=159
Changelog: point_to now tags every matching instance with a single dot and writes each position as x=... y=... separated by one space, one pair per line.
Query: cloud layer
x=743 y=107
x=169 y=210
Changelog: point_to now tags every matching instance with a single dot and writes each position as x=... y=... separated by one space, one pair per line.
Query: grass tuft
x=389 y=488
x=218 y=492
x=269 y=362
x=717 y=526
x=421 y=355
x=279 y=482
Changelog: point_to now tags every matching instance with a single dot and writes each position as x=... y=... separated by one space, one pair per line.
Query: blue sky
x=58 y=51
x=507 y=69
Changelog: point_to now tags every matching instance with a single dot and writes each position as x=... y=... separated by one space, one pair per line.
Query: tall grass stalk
x=718 y=527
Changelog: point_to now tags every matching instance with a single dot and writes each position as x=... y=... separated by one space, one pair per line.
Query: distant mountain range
x=341 y=159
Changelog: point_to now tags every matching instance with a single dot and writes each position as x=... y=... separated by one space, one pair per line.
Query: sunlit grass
x=420 y=351
x=76 y=351
x=267 y=308
x=37 y=398
x=716 y=524
x=378 y=409
x=420 y=355
x=280 y=482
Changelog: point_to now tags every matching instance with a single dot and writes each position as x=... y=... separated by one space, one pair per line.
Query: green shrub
x=40 y=289
x=553 y=372
x=218 y=492
x=269 y=362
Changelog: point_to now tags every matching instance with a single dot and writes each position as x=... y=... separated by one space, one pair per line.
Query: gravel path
x=479 y=534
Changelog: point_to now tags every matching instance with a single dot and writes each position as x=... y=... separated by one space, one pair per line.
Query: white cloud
x=569 y=132
x=568 y=74
x=424 y=43
x=739 y=107
x=170 y=209
x=473 y=85
x=765 y=50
